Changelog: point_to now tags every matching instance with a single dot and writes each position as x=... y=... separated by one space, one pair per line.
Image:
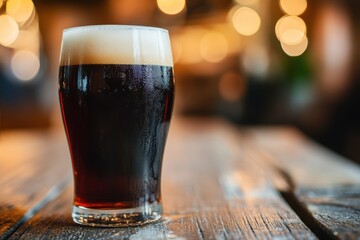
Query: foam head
x=116 y=44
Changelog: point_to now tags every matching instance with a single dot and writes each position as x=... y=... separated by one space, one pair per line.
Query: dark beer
x=116 y=95
x=116 y=118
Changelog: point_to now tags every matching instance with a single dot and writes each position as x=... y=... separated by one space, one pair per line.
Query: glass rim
x=114 y=27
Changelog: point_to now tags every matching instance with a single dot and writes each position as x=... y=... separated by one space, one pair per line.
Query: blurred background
x=253 y=62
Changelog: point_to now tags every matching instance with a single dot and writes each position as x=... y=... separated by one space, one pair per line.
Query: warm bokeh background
x=251 y=61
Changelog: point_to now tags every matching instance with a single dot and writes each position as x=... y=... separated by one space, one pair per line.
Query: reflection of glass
x=116 y=96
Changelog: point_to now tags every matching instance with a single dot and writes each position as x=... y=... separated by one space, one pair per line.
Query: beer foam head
x=116 y=44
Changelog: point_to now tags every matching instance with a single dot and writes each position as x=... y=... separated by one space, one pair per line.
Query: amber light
x=293 y=7
x=290 y=30
x=213 y=47
x=9 y=30
x=171 y=7
x=20 y=10
x=246 y=21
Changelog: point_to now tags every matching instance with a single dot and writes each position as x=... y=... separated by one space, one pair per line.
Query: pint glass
x=116 y=95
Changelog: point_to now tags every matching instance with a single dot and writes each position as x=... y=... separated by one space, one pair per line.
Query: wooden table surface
x=219 y=182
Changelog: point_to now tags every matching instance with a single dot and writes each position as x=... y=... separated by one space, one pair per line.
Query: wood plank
x=211 y=188
x=336 y=207
x=325 y=184
x=34 y=166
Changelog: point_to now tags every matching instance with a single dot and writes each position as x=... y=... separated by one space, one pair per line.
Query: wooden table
x=219 y=182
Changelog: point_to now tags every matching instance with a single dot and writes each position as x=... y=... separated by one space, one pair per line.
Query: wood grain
x=325 y=184
x=337 y=208
x=212 y=189
x=34 y=166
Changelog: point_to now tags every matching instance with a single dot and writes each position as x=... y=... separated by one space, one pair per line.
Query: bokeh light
x=295 y=50
x=292 y=36
x=25 y=65
x=20 y=10
x=213 y=47
x=246 y=2
x=29 y=37
x=171 y=7
x=246 y=21
x=190 y=41
x=293 y=7
x=9 y=30
x=290 y=29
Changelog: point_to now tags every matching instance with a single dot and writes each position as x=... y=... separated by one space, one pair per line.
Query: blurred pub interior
x=253 y=62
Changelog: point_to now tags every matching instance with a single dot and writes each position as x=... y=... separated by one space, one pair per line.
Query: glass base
x=118 y=217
